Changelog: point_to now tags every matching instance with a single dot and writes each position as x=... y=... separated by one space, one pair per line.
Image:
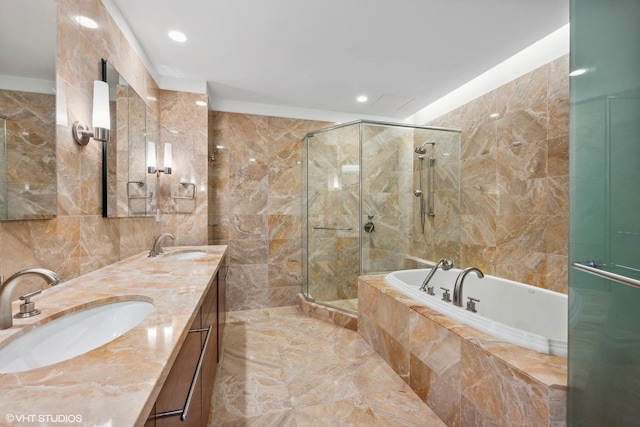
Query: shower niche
x=375 y=197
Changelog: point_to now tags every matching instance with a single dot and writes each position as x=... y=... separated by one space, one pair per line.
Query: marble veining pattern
x=467 y=377
x=116 y=383
x=254 y=189
x=79 y=240
x=28 y=165
x=280 y=368
x=514 y=178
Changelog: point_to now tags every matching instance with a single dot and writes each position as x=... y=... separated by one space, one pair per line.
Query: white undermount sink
x=72 y=335
x=186 y=254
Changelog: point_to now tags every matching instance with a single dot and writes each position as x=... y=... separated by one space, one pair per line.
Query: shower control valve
x=430 y=290
x=445 y=295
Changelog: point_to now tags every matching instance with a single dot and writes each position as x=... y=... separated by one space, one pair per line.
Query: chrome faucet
x=445 y=264
x=157 y=246
x=6 y=288
x=457 y=288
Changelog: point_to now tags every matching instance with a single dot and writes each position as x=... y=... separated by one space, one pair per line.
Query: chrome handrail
x=333 y=228
x=606 y=274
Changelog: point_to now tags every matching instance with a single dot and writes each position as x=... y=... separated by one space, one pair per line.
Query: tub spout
x=445 y=264
x=457 y=289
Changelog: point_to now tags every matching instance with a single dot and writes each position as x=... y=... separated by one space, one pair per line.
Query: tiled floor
x=280 y=368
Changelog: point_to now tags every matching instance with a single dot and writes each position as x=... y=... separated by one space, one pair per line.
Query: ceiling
x=320 y=55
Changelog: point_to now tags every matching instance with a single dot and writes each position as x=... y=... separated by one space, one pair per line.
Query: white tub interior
x=525 y=315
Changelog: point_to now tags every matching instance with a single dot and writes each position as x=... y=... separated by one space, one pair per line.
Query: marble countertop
x=117 y=383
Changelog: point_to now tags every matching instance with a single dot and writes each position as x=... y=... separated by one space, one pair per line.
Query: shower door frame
x=305 y=169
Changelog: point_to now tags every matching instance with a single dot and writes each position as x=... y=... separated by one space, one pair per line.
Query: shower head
x=421 y=149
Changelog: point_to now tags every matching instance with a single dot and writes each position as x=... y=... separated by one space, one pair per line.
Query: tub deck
x=466 y=376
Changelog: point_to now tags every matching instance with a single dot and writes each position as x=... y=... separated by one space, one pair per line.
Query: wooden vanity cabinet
x=171 y=400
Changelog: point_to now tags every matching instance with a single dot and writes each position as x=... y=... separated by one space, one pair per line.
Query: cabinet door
x=176 y=388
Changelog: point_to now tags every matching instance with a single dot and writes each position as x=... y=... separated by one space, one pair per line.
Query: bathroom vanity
x=143 y=375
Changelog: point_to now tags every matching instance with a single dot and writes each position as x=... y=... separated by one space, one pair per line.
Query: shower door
x=331 y=205
x=604 y=283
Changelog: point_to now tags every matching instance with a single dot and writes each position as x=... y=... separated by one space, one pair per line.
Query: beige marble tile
x=558 y=156
x=333 y=376
x=77 y=386
x=480 y=380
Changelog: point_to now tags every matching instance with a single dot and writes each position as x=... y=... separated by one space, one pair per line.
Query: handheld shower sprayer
x=425 y=207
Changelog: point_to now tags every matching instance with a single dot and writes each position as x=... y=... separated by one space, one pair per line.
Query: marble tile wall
x=184 y=124
x=79 y=239
x=467 y=377
x=28 y=169
x=514 y=178
x=255 y=187
x=441 y=235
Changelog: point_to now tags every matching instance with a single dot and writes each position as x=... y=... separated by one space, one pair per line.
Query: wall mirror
x=128 y=190
x=28 y=186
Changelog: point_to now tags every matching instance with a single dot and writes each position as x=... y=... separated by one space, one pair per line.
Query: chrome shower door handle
x=333 y=228
x=590 y=267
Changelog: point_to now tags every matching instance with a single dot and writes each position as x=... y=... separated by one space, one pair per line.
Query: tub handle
x=471 y=304
x=430 y=290
x=445 y=295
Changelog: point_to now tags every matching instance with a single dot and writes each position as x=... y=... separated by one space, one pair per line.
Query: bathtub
x=521 y=314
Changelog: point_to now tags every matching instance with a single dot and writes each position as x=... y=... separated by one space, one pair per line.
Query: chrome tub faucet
x=157 y=245
x=445 y=264
x=6 y=288
x=457 y=288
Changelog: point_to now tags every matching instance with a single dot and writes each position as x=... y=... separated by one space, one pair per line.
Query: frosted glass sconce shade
x=101 y=118
x=152 y=162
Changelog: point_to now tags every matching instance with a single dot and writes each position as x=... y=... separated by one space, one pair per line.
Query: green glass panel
x=604 y=319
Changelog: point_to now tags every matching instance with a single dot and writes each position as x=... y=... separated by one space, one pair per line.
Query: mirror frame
x=149 y=199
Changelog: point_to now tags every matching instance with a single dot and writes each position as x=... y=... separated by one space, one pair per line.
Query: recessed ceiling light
x=362 y=98
x=219 y=147
x=201 y=103
x=86 y=22
x=152 y=98
x=493 y=115
x=177 y=36
x=175 y=132
x=578 y=72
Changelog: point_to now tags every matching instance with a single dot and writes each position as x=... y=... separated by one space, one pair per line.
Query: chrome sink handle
x=28 y=307
x=6 y=288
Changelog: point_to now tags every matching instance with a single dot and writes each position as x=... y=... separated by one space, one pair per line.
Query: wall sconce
x=151 y=159
x=101 y=117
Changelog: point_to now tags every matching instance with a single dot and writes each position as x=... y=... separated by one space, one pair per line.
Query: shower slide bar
x=590 y=267
x=430 y=187
x=333 y=228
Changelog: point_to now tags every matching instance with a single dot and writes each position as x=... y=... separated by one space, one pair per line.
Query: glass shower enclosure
x=374 y=195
